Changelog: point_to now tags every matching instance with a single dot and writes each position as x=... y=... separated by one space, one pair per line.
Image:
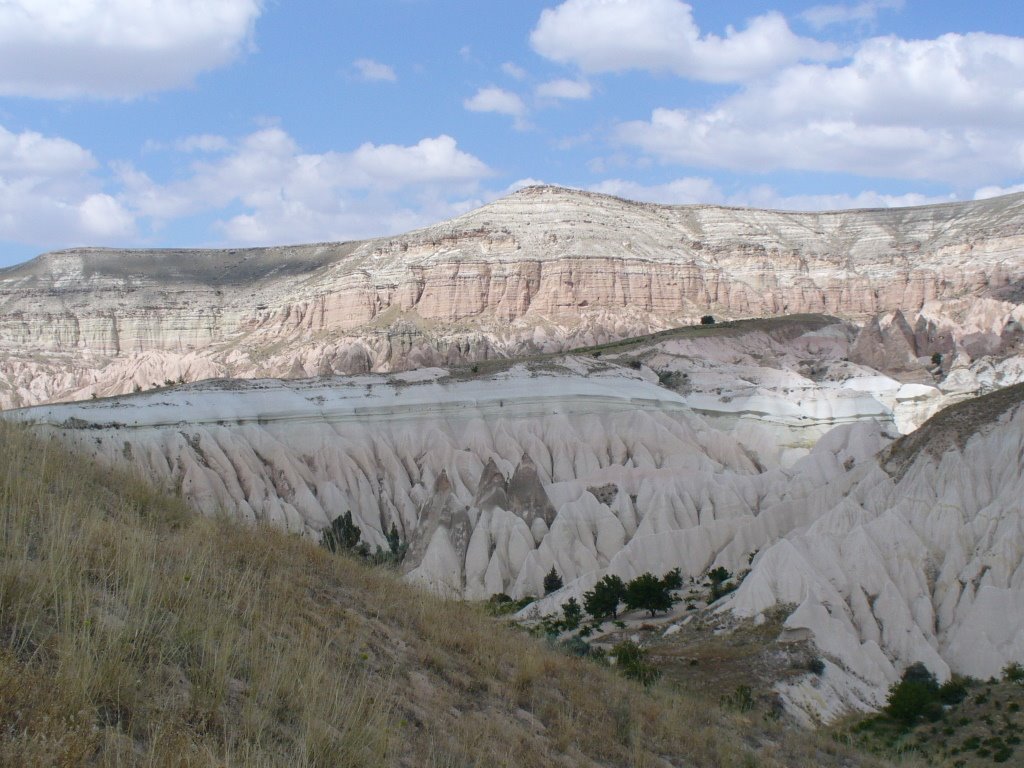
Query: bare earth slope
x=543 y=269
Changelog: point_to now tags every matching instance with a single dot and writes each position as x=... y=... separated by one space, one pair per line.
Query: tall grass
x=135 y=633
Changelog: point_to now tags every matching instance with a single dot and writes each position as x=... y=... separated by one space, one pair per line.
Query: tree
x=707 y=320
x=916 y=696
x=394 y=542
x=603 y=600
x=342 y=535
x=648 y=592
x=673 y=579
x=572 y=612
x=552 y=582
x=718 y=578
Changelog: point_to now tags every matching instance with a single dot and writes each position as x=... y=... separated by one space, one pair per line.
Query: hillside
x=133 y=632
x=544 y=269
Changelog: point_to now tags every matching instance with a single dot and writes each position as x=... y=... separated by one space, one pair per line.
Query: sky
x=191 y=123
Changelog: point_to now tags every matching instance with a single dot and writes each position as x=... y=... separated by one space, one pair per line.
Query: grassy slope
x=134 y=633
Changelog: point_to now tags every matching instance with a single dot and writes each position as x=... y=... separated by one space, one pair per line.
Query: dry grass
x=134 y=633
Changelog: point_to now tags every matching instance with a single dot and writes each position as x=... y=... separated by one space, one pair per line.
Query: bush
x=650 y=593
x=742 y=699
x=707 y=320
x=954 y=690
x=915 y=697
x=1013 y=673
x=342 y=536
x=603 y=600
x=573 y=613
x=552 y=582
x=719 y=578
x=632 y=660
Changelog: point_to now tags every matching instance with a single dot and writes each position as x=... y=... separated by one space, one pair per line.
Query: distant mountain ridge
x=543 y=269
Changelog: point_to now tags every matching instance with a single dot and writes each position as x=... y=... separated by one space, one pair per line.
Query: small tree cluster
x=707 y=320
x=720 y=584
x=343 y=535
x=645 y=592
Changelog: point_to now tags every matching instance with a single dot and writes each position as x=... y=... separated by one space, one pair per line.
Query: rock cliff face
x=543 y=269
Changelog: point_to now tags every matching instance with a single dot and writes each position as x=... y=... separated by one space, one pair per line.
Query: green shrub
x=649 y=593
x=915 y=697
x=1013 y=673
x=954 y=690
x=741 y=699
x=572 y=613
x=603 y=600
x=632 y=660
x=552 y=582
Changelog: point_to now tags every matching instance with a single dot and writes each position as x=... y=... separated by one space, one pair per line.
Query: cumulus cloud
x=500 y=101
x=564 y=89
x=769 y=197
x=50 y=196
x=288 y=195
x=995 y=191
x=821 y=16
x=946 y=109
x=374 y=71
x=695 y=189
x=662 y=36
x=205 y=142
x=677 y=192
x=513 y=70
x=117 y=48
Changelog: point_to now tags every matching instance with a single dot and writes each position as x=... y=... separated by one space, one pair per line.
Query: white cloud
x=947 y=109
x=500 y=101
x=495 y=99
x=205 y=142
x=677 y=192
x=661 y=35
x=705 y=190
x=995 y=191
x=290 y=196
x=821 y=16
x=117 y=48
x=374 y=71
x=564 y=89
x=513 y=70
x=769 y=197
x=49 y=196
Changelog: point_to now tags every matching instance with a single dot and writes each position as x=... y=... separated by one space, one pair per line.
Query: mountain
x=545 y=269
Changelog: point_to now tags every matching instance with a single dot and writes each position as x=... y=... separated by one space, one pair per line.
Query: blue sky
x=240 y=122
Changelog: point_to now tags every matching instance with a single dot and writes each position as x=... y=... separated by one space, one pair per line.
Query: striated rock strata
x=544 y=269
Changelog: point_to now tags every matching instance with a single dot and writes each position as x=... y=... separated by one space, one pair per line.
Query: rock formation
x=544 y=269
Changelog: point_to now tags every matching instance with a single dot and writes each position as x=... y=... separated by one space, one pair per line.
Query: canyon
x=529 y=386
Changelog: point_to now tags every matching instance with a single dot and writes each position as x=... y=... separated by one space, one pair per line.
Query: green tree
x=673 y=579
x=342 y=536
x=916 y=696
x=707 y=320
x=552 y=582
x=718 y=578
x=603 y=600
x=648 y=592
x=573 y=613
